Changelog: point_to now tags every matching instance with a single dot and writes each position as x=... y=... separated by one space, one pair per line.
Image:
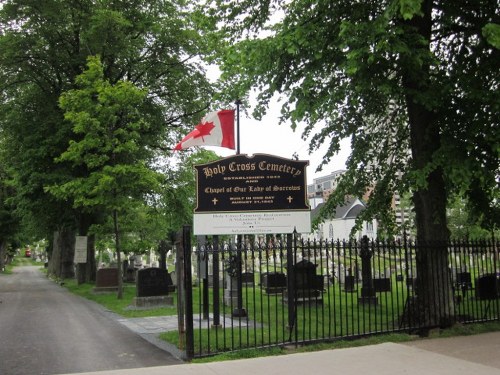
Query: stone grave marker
x=106 y=280
x=308 y=285
x=152 y=288
x=382 y=284
x=349 y=283
x=247 y=278
x=488 y=287
x=273 y=282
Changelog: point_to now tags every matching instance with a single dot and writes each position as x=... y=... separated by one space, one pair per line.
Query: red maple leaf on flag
x=204 y=129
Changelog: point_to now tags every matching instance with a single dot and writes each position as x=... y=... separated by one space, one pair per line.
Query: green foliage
x=45 y=45
x=412 y=83
x=491 y=32
x=108 y=120
x=410 y=8
x=178 y=195
x=464 y=225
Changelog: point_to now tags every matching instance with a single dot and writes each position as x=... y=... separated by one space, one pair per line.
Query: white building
x=340 y=225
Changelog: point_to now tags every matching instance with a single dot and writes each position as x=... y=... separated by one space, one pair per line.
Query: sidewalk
x=462 y=355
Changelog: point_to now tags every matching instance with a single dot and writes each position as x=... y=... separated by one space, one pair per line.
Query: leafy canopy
x=109 y=124
x=353 y=69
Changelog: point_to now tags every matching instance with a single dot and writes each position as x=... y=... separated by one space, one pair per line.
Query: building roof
x=349 y=210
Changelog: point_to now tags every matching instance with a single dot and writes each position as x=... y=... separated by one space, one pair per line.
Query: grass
x=457 y=330
x=112 y=303
x=340 y=319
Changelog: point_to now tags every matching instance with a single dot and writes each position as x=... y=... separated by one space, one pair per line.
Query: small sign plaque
x=252 y=223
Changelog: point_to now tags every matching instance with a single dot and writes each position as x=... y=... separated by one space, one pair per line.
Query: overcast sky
x=267 y=137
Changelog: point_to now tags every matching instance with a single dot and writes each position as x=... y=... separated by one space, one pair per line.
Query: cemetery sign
x=80 y=249
x=251 y=194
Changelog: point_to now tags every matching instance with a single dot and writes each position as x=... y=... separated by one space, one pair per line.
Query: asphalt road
x=44 y=329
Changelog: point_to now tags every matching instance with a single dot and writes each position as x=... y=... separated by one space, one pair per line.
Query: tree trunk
x=3 y=254
x=434 y=293
x=61 y=261
x=54 y=256
x=118 y=256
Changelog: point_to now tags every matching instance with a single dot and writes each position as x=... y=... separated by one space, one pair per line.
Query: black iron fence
x=284 y=291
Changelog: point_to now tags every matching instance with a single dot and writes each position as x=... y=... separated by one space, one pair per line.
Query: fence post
x=216 y=292
x=239 y=311
x=188 y=291
x=179 y=273
x=290 y=282
x=203 y=260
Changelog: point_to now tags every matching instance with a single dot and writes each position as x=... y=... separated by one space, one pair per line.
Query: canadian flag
x=215 y=129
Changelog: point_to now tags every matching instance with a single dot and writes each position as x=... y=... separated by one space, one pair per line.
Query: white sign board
x=80 y=249
x=256 y=222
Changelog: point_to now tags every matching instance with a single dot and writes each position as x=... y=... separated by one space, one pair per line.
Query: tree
x=412 y=83
x=8 y=221
x=44 y=47
x=462 y=224
x=179 y=196
x=108 y=121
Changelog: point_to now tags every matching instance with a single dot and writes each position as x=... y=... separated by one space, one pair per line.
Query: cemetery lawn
x=112 y=303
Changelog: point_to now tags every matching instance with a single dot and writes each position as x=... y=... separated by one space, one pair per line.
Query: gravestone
x=152 y=288
x=488 y=287
x=129 y=275
x=173 y=277
x=152 y=282
x=231 y=290
x=170 y=282
x=464 y=280
x=382 y=284
x=247 y=278
x=368 y=295
x=349 y=283
x=307 y=285
x=128 y=272
x=106 y=280
x=273 y=282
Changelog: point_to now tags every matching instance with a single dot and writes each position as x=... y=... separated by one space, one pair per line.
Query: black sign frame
x=258 y=182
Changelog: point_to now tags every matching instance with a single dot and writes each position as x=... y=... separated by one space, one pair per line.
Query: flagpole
x=238 y=102
x=239 y=311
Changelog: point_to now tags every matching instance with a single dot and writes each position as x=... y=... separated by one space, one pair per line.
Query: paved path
x=463 y=355
x=483 y=348
x=385 y=359
x=44 y=329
